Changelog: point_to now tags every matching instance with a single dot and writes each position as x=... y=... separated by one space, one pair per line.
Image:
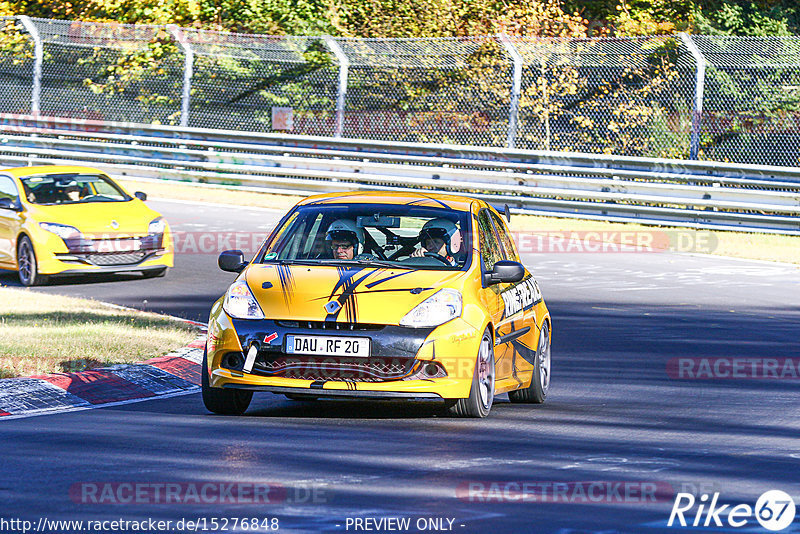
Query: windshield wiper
x=379 y=263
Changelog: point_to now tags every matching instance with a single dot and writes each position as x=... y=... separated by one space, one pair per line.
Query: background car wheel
x=154 y=273
x=540 y=383
x=27 y=265
x=223 y=401
x=481 y=394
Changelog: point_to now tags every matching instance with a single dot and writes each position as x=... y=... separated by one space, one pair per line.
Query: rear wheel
x=540 y=383
x=27 y=265
x=223 y=401
x=481 y=394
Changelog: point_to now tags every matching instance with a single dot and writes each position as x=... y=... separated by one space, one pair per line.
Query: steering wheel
x=437 y=257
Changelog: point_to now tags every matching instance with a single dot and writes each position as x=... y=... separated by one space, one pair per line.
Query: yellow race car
x=379 y=295
x=64 y=220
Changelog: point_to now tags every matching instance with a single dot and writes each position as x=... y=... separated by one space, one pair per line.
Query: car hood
x=361 y=294
x=95 y=219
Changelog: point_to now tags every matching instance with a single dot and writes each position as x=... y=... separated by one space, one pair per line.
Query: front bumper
x=432 y=363
x=55 y=257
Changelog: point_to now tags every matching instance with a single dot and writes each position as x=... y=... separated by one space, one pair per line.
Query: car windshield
x=72 y=188
x=372 y=234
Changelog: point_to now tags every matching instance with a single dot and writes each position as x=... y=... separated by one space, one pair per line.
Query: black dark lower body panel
x=339 y=393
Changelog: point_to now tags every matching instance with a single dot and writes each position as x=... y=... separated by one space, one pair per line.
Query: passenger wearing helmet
x=441 y=237
x=344 y=239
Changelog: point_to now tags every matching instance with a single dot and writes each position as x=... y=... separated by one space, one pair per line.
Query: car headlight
x=61 y=230
x=437 y=309
x=157 y=226
x=240 y=303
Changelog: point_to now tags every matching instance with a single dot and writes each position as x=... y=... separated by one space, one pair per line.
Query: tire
x=540 y=382
x=300 y=397
x=223 y=401
x=481 y=394
x=27 y=265
x=154 y=273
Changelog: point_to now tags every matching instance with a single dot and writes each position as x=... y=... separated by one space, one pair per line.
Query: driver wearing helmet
x=345 y=239
x=441 y=237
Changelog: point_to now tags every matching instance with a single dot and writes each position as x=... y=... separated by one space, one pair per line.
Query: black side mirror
x=232 y=261
x=10 y=204
x=504 y=272
x=141 y=196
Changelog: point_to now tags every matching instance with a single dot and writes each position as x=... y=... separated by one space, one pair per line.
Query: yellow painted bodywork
x=299 y=293
x=92 y=219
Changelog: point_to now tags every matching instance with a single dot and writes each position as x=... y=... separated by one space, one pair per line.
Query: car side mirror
x=141 y=196
x=504 y=272
x=232 y=261
x=10 y=204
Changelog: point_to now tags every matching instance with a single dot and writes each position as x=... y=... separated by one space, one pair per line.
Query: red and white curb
x=177 y=373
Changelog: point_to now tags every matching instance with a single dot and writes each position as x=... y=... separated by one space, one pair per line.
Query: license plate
x=117 y=245
x=328 y=345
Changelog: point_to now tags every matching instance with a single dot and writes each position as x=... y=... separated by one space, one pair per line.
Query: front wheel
x=540 y=382
x=27 y=265
x=481 y=394
x=223 y=401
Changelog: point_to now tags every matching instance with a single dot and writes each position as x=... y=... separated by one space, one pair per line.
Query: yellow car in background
x=65 y=220
x=381 y=295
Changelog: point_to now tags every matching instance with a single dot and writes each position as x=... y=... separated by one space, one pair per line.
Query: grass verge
x=768 y=247
x=41 y=333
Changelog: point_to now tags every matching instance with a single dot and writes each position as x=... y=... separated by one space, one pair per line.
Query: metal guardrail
x=649 y=191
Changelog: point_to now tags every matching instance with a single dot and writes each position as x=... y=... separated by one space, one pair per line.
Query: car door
x=9 y=221
x=519 y=324
x=491 y=253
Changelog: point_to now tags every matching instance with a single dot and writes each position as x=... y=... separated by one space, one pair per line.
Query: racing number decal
x=522 y=296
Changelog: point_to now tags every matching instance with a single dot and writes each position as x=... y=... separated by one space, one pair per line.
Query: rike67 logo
x=774 y=511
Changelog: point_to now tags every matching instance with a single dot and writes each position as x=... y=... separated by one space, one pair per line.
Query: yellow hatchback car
x=63 y=220
x=379 y=295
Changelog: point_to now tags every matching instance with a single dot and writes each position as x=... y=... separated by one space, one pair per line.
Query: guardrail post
x=516 y=89
x=38 y=53
x=344 y=67
x=188 y=66
x=700 y=81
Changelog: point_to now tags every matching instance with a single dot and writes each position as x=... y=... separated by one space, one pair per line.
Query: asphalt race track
x=621 y=415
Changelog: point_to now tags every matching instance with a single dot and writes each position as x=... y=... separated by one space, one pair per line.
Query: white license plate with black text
x=328 y=345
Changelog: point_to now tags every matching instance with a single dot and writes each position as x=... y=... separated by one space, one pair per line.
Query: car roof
x=20 y=172
x=425 y=199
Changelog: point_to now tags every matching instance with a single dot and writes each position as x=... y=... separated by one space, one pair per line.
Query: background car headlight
x=240 y=303
x=157 y=226
x=437 y=309
x=61 y=230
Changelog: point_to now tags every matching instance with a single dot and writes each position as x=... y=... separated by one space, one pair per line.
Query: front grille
x=374 y=369
x=113 y=258
x=329 y=325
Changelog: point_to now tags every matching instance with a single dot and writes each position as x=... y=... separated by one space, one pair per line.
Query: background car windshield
x=378 y=233
x=71 y=189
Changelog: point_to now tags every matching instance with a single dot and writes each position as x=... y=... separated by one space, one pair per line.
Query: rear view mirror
x=141 y=196
x=232 y=261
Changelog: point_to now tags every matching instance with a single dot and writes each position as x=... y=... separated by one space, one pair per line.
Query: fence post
x=38 y=53
x=700 y=81
x=516 y=89
x=344 y=67
x=188 y=66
